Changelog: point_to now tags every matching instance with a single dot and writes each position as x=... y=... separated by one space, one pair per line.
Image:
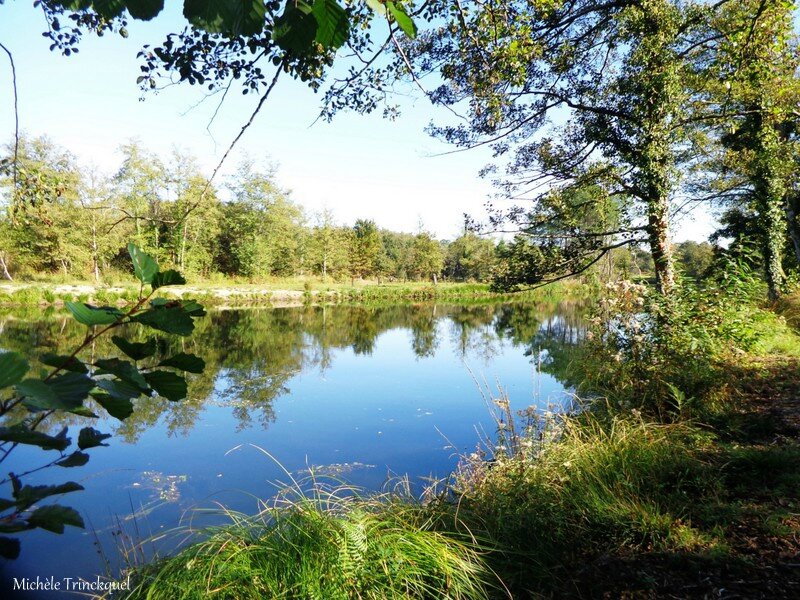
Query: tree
x=328 y=246
x=262 y=231
x=752 y=79
x=140 y=195
x=427 y=257
x=192 y=241
x=615 y=79
x=469 y=257
x=365 y=248
x=41 y=195
x=695 y=259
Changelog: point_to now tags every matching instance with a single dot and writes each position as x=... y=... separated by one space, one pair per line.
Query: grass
x=330 y=546
x=279 y=291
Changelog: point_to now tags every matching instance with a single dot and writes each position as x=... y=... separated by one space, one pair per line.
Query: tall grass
x=599 y=484
x=328 y=546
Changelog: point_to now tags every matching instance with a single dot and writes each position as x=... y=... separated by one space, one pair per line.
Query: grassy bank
x=681 y=479
x=293 y=291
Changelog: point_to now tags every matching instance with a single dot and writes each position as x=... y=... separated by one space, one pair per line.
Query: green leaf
x=171 y=319
x=31 y=494
x=120 y=390
x=169 y=385
x=168 y=277
x=193 y=308
x=185 y=362
x=9 y=548
x=296 y=28
x=123 y=370
x=90 y=438
x=119 y=408
x=64 y=392
x=144 y=10
x=20 y=434
x=404 y=22
x=333 y=25
x=92 y=315
x=5 y=504
x=12 y=368
x=61 y=361
x=36 y=394
x=71 y=388
x=135 y=350
x=76 y=459
x=54 y=517
x=229 y=17
x=144 y=267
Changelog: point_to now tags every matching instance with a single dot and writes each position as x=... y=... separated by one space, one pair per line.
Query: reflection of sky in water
x=394 y=411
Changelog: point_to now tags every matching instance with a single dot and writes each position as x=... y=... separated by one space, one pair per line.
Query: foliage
x=79 y=386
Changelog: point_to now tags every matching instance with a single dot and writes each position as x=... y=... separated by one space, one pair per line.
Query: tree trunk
x=791 y=222
x=770 y=192
x=660 y=247
x=3 y=265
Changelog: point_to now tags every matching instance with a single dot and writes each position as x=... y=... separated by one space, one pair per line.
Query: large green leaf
x=12 y=368
x=171 y=319
x=93 y=315
x=135 y=350
x=144 y=10
x=37 y=395
x=71 y=388
x=168 y=277
x=144 y=267
x=185 y=362
x=61 y=361
x=90 y=438
x=404 y=22
x=333 y=25
x=20 y=434
x=169 y=385
x=31 y=494
x=121 y=390
x=123 y=369
x=76 y=459
x=54 y=517
x=296 y=28
x=229 y=17
x=119 y=408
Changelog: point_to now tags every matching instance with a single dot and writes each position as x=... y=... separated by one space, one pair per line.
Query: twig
x=16 y=113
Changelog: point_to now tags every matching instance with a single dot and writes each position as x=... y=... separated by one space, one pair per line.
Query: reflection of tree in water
x=553 y=336
x=251 y=355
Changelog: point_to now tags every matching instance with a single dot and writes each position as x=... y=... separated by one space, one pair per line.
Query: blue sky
x=358 y=166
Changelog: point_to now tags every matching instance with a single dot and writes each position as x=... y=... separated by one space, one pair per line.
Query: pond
x=366 y=393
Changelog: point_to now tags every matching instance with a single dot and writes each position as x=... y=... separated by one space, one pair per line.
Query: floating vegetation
x=163 y=487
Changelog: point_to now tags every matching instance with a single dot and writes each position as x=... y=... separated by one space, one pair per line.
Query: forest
x=66 y=223
x=647 y=445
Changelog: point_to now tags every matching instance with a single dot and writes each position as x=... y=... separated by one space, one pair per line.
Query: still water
x=367 y=393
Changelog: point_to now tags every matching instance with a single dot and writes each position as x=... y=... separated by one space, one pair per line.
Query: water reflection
x=355 y=391
x=251 y=355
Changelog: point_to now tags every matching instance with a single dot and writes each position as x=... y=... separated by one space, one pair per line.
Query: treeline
x=62 y=218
